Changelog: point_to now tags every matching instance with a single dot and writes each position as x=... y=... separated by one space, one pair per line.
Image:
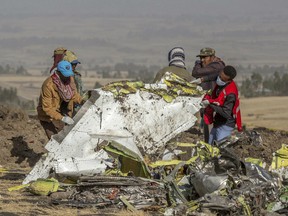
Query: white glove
x=197 y=81
x=204 y=103
x=216 y=103
x=67 y=120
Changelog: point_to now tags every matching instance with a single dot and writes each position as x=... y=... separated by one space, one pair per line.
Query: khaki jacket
x=50 y=101
x=181 y=72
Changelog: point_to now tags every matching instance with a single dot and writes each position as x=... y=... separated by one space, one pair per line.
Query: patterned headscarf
x=64 y=89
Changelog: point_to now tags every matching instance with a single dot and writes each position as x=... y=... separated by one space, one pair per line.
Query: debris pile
x=129 y=148
x=213 y=180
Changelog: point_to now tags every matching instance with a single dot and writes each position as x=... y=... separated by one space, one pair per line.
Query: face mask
x=220 y=82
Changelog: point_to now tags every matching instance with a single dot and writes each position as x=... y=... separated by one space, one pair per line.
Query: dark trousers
x=206 y=130
x=52 y=128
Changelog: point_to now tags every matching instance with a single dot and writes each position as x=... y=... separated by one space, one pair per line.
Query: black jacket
x=209 y=73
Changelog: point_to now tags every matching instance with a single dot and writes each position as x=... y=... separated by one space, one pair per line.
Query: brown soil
x=22 y=139
x=22 y=142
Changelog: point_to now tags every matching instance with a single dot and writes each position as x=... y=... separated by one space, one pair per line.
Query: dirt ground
x=22 y=141
x=270 y=112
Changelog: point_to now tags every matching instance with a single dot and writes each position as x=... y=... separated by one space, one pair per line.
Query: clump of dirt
x=268 y=142
x=22 y=138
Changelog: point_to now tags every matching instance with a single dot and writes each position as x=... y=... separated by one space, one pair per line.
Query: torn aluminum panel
x=205 y=184
x=142 y=122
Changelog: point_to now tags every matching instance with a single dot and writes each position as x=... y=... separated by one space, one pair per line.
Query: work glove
x=204 y=103
x=197 y=81
x=216 y=103
x=67 y=120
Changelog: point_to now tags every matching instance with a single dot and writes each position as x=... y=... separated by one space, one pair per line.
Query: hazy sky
x=231 y=8
x=110 y=31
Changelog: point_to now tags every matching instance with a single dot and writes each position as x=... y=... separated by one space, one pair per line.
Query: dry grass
x=269 y=112
x=29 y=86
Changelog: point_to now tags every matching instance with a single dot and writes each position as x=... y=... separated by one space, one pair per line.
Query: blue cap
x=65 y=68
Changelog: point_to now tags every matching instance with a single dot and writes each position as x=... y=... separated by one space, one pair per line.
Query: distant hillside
x=142 y=32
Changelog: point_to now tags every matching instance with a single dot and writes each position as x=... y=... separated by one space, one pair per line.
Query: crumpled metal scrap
x=249 y=137
x=212 y=180
x=104 y=191
x=206 y=184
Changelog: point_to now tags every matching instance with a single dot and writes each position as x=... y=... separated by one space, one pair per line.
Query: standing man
x=58 y=95
x=207 y=68
x=176 y=59
x=223 y=107
x=206 y=71
x=57 y=57
x=72 y=58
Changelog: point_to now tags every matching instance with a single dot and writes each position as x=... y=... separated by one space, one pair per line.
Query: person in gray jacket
x=206 y=70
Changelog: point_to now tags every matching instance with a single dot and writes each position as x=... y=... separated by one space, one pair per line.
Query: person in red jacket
x=222 y=108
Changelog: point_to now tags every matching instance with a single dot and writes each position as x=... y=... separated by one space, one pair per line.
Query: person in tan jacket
x=57 y=98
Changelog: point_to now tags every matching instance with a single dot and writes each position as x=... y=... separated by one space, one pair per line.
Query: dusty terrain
x=29 y=87
x=22 y=142
x=269 y=112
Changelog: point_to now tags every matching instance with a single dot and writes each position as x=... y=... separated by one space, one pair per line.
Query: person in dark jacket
x=176 y=59
x=223 y=106
x=206 y=71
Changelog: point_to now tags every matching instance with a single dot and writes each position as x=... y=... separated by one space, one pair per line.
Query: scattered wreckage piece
x=39 y=187
x=110 y=180
x=114 y=191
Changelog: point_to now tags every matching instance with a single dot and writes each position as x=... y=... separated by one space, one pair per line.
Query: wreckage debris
x=121 y=174
x=213 y=180
x=141 y=123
